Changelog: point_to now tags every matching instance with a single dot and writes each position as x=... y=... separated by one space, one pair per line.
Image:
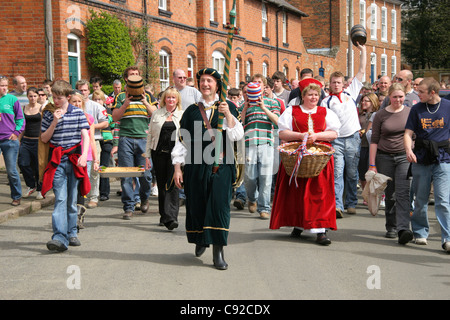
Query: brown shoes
x=144 y=206
x=252 y=207
x=15 y=203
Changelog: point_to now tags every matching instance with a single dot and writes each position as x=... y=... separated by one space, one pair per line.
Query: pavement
x=27 y=205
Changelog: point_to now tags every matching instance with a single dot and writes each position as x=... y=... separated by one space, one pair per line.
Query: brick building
x=47 y=39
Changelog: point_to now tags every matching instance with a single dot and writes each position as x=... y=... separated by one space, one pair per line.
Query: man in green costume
x=208 y=193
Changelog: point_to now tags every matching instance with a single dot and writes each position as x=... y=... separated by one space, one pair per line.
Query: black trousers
x=168 y=201
x=105 y=160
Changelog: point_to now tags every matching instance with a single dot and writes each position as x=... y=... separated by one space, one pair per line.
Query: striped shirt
x=135 y=120
x=258 y=127
x=68 y=130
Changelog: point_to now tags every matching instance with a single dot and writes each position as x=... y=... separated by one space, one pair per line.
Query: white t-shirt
x=346 y=111
x=189 y=95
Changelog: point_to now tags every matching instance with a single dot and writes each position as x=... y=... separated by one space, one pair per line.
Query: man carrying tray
x=134 y=116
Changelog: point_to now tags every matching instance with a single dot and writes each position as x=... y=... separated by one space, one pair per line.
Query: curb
x=26 y=208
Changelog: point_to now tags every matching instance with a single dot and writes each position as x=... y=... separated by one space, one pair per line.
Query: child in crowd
x=64 y=129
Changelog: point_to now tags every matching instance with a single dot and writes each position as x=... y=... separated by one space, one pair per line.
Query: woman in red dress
x=310 y=204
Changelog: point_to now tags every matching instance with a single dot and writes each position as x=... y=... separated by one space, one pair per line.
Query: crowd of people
x=187 y=141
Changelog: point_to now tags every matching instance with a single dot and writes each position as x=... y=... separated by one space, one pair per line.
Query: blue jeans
x=129 y=154
x=346 y=159
x=258 y=175
x=423 y=175
x=241 y=193
x=64 y=216
x=10 y=149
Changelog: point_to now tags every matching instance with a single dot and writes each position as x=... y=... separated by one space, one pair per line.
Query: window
x=383 y=64
x=264 y=69
x=284 y=18
x=224 y=11
x=383 y=24
x=373 y=67
x=73 y=51
x=211 y=10
x=218 y=61
x=248 y=70
x=362 y=13
x=162 y=4
x=373 y=22
x=237 y=72
x=393 y=66
x=394 y=26
x=190 y=66
x=163 y=70
x=264 y=21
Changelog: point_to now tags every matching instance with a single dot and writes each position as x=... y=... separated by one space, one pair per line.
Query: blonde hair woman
x=162 y=130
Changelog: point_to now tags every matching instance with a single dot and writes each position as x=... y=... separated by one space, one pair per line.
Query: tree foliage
x=109 y=49
x=427 y=33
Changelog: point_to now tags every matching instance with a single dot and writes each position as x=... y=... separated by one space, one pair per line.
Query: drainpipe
x=50 y=63
x=276 y=30
x=145 y=23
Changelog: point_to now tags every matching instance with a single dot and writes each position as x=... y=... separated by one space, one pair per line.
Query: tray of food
x=121 y=172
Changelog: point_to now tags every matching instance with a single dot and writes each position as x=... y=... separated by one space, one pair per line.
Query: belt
x=391 y=153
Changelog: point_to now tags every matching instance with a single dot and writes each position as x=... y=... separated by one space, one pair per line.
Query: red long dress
x=312 y=204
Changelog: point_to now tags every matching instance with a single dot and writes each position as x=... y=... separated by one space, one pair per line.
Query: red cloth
x=337 y=95
x=312 y=204
x=80 y=172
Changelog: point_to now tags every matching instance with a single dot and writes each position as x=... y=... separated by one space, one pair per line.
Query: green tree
x=427 y=32
x=109 y=49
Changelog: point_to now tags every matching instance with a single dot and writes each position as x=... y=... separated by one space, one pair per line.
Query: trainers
x=15 y=203
x=29 y=192
x=339 y=214
x=74 y=241
x=446 y=246
x=421 y=241
x=351 y=210
x=55 y=245
x=252 y=207
x=39 y=196
x=264 y=215
x=239 y=204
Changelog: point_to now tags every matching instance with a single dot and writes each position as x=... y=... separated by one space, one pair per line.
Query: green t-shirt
x=135 y=120
x=258 y=127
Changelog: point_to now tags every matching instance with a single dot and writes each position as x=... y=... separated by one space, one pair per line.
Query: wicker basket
x=311 y=164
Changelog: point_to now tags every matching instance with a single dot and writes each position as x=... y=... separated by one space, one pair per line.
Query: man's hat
x=212 y=72
x=306 y=82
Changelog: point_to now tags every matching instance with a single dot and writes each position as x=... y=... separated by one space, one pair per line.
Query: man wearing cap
x=347 y=145
x=208 y=189
x=260 y=116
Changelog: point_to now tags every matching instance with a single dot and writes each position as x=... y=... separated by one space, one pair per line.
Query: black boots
x=218 y=259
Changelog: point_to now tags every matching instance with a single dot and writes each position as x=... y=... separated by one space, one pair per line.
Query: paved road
x=138 y=259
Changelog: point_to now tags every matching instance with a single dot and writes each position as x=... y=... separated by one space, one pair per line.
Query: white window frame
x=237 y=72
x=190 y=65
x=77 y=54
x=393 y=66
x=218 y=61
x=224 y=11
x=264 y=69
x=264 y=20
x=362 y=13
x=248 y=69
x=284 y=26
x=211 y=10
x=373 y=61
x=373 y=21
x=164 y=68
x=394 y=26
x=383 y=64
x=384 y=27
x=162 y=4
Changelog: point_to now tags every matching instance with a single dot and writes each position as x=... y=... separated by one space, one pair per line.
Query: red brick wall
x=188 y=31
